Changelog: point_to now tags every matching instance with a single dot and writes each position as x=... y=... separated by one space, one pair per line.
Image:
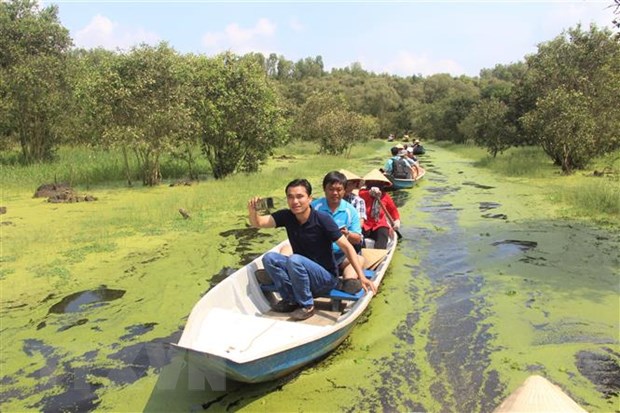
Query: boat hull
x=271 y=367
x=232 y=333
x=402 y=183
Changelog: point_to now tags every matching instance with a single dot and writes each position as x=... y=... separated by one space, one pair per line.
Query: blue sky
x=397 y=37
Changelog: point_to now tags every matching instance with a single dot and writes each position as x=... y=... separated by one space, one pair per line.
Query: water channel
x=487 y=287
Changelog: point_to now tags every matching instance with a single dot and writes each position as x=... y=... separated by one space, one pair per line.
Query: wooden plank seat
x=336 y=296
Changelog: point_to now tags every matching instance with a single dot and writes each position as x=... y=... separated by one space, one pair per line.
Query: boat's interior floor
x=323 y=314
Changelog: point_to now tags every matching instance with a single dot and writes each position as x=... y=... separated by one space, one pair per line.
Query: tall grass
x=83 y=167
x=601 y=195
x=529 y=161
x=585 y=195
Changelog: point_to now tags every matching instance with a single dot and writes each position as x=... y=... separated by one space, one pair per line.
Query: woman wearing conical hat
x=377 y=225
x=354 y=183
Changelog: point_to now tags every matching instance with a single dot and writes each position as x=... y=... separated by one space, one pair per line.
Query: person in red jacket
x=379 y=226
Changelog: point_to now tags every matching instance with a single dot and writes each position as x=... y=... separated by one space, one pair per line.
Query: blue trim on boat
x=268 y=368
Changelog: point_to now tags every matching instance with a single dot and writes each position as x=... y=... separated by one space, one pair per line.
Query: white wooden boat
x=232 y=330
x=538 y=395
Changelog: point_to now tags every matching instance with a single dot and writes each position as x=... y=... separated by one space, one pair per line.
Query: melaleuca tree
x=33 y=78
x=580 y=72
x=235 y=108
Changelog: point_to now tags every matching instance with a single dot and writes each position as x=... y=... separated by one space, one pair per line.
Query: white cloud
x=103 y=32
x=242 y=40
x=296 y=25
x=407 y=64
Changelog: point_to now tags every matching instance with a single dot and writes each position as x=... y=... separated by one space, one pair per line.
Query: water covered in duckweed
x=487 y=287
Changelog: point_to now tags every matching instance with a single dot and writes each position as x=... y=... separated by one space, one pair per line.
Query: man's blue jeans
x=298 y=278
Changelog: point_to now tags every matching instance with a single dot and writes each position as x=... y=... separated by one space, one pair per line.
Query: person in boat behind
x=418 y=149
x=378 y=225
x=354 y=183
x=415 y=163
x=399 y=166
x=311 y=270
x=348 y=220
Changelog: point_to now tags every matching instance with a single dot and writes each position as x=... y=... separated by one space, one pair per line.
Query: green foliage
x=236 y=110
x=487 y=124
x=33 y=85
x=447 y=102
x=565 y=128
x=327 y=119
x=86 y=167
x=142 y=97
x=574 y=80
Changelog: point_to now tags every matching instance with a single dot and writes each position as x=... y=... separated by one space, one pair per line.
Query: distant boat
x=233 y=331
x=538 y=395
x=400 y=183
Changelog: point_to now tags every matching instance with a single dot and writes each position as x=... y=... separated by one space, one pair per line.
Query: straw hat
x=350 y=175
x=376 y=176
x=400 y=146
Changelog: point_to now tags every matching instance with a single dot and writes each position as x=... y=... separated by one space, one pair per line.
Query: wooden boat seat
x=336 y=296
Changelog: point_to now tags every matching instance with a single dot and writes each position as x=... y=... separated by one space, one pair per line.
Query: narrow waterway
x=488 y=286
x=485 y=289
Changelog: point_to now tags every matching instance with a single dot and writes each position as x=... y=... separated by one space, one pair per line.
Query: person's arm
x=351 y=255
x=256 y=220
x=353 y=231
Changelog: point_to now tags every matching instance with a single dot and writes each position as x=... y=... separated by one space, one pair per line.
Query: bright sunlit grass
x=585 y=195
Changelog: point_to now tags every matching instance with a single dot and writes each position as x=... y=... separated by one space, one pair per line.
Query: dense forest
x=152 y=101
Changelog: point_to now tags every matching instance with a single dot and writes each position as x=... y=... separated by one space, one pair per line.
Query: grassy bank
x=591 y=194
x=583 y=194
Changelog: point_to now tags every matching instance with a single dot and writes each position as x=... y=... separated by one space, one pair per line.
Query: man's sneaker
x=284 y=307
x=302 y=313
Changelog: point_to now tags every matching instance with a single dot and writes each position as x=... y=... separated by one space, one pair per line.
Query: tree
x=446 y=102
x=488 y=126
x=137 y=102
x=326 y=118
x=565 y=127
x=33 y=84
x=235 y=108
x=578 y=67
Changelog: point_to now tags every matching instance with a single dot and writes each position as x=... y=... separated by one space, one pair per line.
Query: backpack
x=401 y=169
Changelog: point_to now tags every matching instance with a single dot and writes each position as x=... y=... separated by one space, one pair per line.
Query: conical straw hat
x=377 y=176
x=350 y=175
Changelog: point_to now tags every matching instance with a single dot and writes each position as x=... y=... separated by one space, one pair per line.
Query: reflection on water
x=511 y=247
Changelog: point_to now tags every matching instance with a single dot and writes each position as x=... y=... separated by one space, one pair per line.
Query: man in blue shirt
x=399 y=165
x=346 y=216
x=312 y=269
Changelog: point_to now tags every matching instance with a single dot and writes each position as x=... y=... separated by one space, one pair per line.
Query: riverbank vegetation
x=592 y=193
x=152 y=114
